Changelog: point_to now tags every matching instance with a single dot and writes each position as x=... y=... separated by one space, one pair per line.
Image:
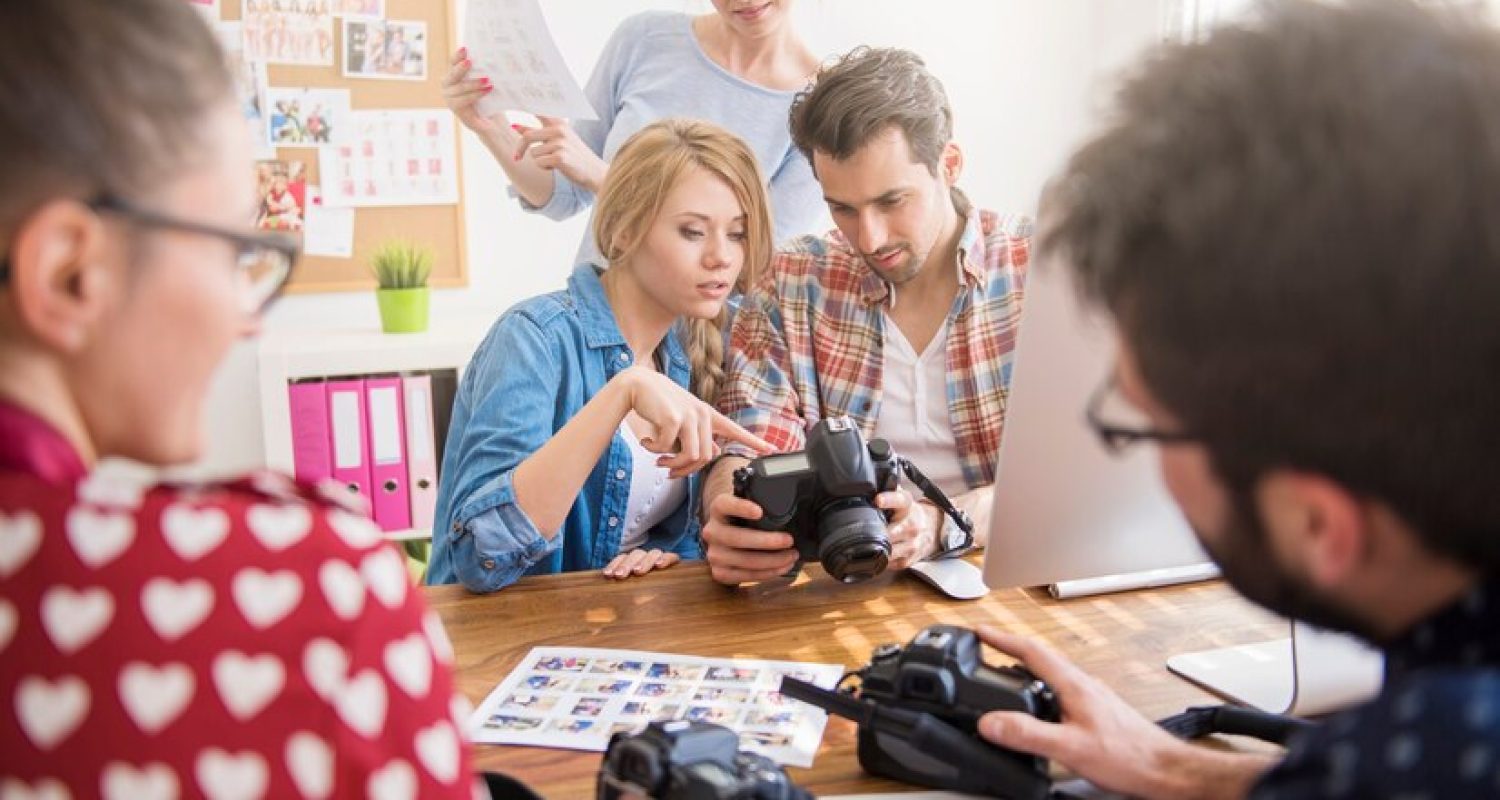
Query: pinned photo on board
x=385 y=49
x=301 y=117
x=373 y=9
x=288 y=31
x=282 y=189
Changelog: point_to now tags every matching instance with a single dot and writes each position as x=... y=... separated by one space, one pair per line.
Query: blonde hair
x=642 y=174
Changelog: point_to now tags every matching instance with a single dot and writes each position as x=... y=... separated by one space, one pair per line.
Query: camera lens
x=637 y=764
x=851 y=540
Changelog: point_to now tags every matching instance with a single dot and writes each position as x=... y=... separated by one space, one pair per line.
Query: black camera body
x=689 y=760
x=824 y=496
x=918 y=709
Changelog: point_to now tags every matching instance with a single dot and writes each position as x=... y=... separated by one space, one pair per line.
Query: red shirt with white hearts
x=239 y=640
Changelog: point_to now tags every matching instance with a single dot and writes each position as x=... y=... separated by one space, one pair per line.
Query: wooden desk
x=1124 y=639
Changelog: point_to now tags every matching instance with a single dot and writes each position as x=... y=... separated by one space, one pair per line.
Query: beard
x=906 y=269
x=1244 y=555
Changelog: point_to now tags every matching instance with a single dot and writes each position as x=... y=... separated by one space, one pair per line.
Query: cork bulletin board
x=440 y=228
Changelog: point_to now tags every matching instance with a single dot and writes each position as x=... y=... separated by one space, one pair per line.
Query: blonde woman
x=586 y=413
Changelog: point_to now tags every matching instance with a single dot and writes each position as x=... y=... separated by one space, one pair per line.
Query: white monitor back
x=1064 y=508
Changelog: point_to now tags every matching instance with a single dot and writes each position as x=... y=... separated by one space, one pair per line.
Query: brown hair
x=1293 y=224
x=865 y=93
x=641 y=175
x=100 y=97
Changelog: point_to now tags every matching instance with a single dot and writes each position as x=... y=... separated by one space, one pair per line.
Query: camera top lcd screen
x=783 y=464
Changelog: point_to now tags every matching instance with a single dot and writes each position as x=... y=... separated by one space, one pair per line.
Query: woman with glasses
x=243 y=639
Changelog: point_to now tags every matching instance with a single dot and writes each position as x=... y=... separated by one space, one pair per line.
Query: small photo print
x=300 y=117
x=572 y=725
x=625 y=727
x=774 y=699
x=666 y=670
x=589 y=706
x=560 y=664
x=610 y=666
x=357 y=8
x=800 y=674
x=766 y=738
x=385 y=49
x=773 y=719
x=605 y=685
x=288 y=31
x=715 y=714
x=281 y=187
x=660 y=690
x=548 y=683
x=529 y=702
x=507 y=722
x=737 y=674
x=646 y=708
x=721 y=694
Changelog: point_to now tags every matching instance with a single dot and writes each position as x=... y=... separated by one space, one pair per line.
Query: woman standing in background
x=738 y=67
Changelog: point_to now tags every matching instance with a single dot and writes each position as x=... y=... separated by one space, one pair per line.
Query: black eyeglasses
x=265 y=260
x=1118 y=437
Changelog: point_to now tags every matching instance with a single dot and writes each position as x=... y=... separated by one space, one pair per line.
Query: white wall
x=1024 y=77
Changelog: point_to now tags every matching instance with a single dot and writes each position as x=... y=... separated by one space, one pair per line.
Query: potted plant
x=401 y=269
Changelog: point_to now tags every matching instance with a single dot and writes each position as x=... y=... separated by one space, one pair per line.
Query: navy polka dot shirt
x=1434 y=730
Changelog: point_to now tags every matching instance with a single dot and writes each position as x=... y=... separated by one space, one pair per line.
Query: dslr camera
x=824 y=496
x=687 y=760
x=918 y=709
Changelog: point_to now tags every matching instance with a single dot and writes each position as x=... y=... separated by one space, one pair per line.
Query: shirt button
x=457 y=528
x=624 y=357
x=489 y=563
x=613 y=521
x=620 y=474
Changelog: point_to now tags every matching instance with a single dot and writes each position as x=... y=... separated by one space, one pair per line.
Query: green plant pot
x=403 y=310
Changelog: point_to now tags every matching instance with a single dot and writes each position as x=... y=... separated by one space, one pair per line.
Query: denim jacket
x=540 y=363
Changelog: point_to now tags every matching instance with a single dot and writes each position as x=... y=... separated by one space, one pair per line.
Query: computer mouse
x=954 y=577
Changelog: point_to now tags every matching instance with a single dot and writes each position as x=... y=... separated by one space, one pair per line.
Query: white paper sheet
x=577 y=697
x=509 y=43
x=280 y=34
x=392 y=158
x=327 y=231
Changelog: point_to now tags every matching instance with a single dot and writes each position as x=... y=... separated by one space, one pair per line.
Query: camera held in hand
x=824 y=496
x=683 y=760
x=918 y=709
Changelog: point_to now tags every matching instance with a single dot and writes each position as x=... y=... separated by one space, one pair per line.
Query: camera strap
x=1200 y=721
x=935 y=496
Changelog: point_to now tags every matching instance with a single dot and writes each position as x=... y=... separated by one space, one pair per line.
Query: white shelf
x=295 y=353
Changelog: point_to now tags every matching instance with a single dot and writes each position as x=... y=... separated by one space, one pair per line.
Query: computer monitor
x=1065 y=511
x=1064 y=508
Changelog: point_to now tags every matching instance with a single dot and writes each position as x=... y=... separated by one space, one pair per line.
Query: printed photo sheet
x=576 y=698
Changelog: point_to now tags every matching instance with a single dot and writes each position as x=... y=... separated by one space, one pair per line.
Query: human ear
x=59 y=281
x=951 y=163
x=1322 y=521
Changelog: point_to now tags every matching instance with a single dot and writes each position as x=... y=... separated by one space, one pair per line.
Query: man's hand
x=1106 y=741
x=913 y=528
x=735 y=554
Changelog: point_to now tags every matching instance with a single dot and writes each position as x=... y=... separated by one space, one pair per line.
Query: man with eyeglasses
x=1292 y=227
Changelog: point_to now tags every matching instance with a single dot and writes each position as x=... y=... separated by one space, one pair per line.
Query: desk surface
x=1123 y=638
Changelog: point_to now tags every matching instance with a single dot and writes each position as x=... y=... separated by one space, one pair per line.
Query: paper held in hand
x=509 y=43
x=577 y=697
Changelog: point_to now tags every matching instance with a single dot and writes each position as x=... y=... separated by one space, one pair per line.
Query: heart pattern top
x=237 y=640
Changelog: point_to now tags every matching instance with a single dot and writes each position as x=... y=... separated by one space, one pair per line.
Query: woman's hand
x=556 y=146
x=462 y=94
x=684 y=426
x=912 y=529
x=639 y=562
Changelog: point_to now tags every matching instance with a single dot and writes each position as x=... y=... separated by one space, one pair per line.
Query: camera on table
x=918 y=709
x=824 y=496
x=689 y=760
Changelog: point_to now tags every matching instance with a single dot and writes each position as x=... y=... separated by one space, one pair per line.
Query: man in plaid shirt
x=904 y=319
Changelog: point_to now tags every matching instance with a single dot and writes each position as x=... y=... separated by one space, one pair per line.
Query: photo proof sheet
x=577 y=698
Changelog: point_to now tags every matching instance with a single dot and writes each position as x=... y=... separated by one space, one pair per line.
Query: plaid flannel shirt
x=807 y=341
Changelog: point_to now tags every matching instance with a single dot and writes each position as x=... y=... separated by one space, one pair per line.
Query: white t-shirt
x=653 y=495
x=914 y=414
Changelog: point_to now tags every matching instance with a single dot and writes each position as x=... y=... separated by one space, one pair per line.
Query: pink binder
x=388 y=494
x=349 y=433
x=421 y=451
x=312 y=450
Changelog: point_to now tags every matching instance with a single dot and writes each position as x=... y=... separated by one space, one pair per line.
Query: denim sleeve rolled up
x=538 y=367
x=481 y=536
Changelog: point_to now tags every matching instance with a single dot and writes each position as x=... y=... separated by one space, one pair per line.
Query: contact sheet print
x=576 y=698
